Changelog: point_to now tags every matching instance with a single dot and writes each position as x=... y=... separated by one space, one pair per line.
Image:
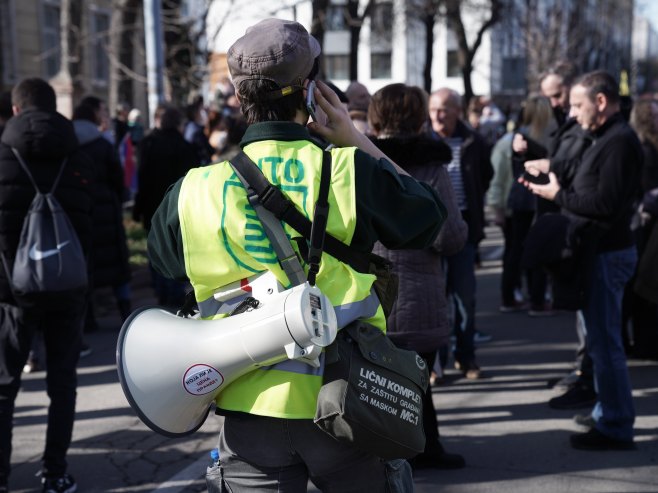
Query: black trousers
x=430 y=423
x=61 y=324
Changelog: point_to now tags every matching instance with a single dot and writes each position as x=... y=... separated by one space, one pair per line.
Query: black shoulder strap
x=276 y=202
x=27 y=171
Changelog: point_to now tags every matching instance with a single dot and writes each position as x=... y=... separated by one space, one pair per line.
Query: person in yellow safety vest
x=206 y=231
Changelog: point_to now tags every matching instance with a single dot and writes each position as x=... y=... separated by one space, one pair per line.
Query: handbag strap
x=283 y=209
x=257 y=187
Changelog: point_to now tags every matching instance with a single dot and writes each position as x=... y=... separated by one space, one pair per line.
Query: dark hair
x=600 y=82
x=643 y=122
x=341 y=95
x=34 y=93
x=258 y=106
x=397 y=109
x=567 y=71
x=87 y=109
x=236 y=126
x=171 y=118
x=5 y=105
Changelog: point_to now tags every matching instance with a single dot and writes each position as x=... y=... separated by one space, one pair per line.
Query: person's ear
x=15 y=109
x=601 y=101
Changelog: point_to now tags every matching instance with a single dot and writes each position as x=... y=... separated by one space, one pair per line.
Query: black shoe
x=585 y=420
x=441 y=460
x=63 y=484
x=595 y=440
x=85 y=350
x=566 y=382
x=578 y=396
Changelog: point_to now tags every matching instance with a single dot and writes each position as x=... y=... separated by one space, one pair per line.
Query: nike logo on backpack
x=37 y=255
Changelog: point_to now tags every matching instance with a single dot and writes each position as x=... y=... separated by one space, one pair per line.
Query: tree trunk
x=317 y=27
x=122 y=48
x=429 y=21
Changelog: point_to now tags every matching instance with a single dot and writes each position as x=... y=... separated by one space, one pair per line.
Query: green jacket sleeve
x=165 y=242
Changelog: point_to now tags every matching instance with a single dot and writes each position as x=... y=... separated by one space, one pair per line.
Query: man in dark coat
x=164 y=157
x=109 y=254
x=600 y=199
x=44 y=139
x=470 y=173
x=5 y=109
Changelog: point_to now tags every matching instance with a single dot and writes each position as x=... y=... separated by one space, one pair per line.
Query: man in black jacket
x=600 y=198
x=470 y=174
x=44 y=139
x=164 y=157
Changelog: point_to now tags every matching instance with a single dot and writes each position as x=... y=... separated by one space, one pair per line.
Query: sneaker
x=566 y=382
x=63 y=484
x=32 y=365
x=586 y=420
x=578 y=396
x=481 y=337
x=595 y=440
x=517 y=306
x=470 y=369
x=545 y=310
x=85 y=350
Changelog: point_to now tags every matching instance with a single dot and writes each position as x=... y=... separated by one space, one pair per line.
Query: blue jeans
x=614 y=412
x=460 y=283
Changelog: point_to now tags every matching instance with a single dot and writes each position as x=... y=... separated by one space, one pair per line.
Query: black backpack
x=49 y=258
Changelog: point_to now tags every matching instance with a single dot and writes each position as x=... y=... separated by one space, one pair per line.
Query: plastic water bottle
x=214 y=473
x=214 y=457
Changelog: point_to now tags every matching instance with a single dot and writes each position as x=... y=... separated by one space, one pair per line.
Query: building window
x=452 y=55
x=335 y=20
x=100 y=34
x=514 y=73
x=381 y=35
x=380 y=65
x=50 y=52
x=7 y=43
x=381 y=24
x=337 y=66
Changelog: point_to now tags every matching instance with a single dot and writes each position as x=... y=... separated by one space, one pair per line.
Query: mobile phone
x=310 y=99
x=541 y=179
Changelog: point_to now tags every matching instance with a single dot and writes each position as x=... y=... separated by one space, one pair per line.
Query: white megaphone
x=172 y=368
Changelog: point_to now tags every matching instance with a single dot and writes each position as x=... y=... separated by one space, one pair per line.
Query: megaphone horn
x=171 y=368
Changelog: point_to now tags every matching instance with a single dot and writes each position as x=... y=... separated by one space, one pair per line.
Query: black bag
x=386 y=284
x=372 y=393
x=49 y=258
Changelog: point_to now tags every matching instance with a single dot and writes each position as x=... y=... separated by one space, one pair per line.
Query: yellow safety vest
x=224 y=242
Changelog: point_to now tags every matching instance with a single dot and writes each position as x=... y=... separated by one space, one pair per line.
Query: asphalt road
x=511 y=440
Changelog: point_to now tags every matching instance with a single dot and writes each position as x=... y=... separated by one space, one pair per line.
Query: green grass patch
x=136 y=236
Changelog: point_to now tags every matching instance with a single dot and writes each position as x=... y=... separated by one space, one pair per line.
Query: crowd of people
x=571 y=179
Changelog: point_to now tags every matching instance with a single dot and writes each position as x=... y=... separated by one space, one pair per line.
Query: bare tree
x=318 y=20
x=355 y=22
x=125 y=42
x=466 y=51
x=589 y=34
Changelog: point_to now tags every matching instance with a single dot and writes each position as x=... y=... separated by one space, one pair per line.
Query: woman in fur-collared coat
x=419 y=319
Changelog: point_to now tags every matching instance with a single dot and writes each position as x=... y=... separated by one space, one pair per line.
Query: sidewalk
x=511 y=440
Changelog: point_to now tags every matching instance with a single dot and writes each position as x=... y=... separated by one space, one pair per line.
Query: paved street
x=512 y=441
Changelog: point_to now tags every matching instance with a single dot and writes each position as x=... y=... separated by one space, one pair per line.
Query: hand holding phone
x=310 y=100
